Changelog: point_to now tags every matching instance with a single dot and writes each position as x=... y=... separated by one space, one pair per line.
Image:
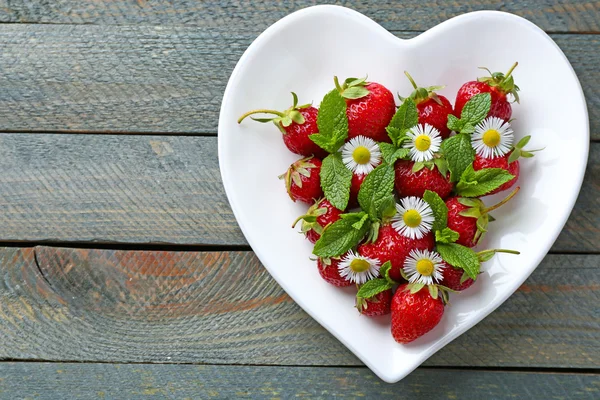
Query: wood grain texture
x=224 y=308
x=153 y=78
x=551 y=15
x=158 y=189
x=92 y=381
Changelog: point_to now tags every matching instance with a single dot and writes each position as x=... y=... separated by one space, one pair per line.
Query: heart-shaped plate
x=301 y=53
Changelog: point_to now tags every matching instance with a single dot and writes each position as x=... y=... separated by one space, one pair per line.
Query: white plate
x=301 y=53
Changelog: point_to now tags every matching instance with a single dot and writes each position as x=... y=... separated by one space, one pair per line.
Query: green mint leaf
x=405 y=118
x=335 y=181
x=332 y=122
x=340 y=236
x=460 y=257
x=355 y=92
x=359 y=224
x=476 y=109
x=479 y=183
x=459 y=154
x=375 y=190
x=440 y=211
x=373 y=287
x=454 y=123
x=391 y=153
x=446 y=235
x=399 y=135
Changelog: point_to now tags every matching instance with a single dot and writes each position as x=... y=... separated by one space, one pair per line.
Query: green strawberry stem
x=501 y=203
x=410 y=78
x=260 y=111
x=483 y=252
x=510 y=71
x=337 y=84
x=300 y=218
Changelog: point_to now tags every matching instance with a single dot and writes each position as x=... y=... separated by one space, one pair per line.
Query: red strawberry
x=370 y=108
x=499 y=162
x=393 y=247
x=498 y=85
x=330 y=272
x=319 y=215
x=433 y=108
x=302 y=180
x=470 y=228
x=296 y=124
x=413 y=315
x=357 y=180
x=409 y=183
x=451 y=278
x=375 y=306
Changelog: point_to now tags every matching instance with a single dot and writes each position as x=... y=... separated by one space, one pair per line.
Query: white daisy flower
x=356 y=268
x=492 y=138
x=414 y=217
x=424 y=141
x=361 y=155
x=423 y=266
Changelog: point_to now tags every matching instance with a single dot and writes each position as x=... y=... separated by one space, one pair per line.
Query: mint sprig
x=336 y=180
x=460 y=257
x=459 y=154
x=405 y=118
x=391 y=152
x=332 y=122
x=376 y=190
x=446 y=235
x=342 y=235
x=473 y=112
x=479 y=183
x=373 y=288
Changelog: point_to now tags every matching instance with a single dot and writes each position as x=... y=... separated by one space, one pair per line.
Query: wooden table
x=123 y=273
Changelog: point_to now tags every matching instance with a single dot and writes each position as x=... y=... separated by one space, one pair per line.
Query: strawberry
x=319 y=215
x=393 y=247
x=302 y=180
x=433 y=108
x=296 y=124
x=451 y=278
x=499 y=162
x=370 y=108
x=469 y=217
x=357 y=180
x=330 y=272
x=377 y=305
x=414 y=314
x=409 y=183
x=498 y=85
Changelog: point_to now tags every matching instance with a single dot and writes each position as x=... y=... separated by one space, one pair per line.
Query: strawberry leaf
x=459 y=154
x=405 y=118
x=355 y=92
x=332 y=122
x=478 y=183
x=376 y=189
x=384 y=271
x=440 y=211
x=460 y=257
x=335 y=181
x=341 y=236
x=373 y=287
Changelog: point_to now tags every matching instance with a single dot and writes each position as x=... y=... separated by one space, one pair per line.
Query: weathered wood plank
x=158 y=189
x=141 y=306
x=153 y=79
x=551 y=15
x=93 y=381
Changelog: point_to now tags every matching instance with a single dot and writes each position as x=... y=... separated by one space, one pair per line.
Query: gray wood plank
x=153 y=78
x=552 y=15
x=224 y=308
x=158 y=189
x=92 y=381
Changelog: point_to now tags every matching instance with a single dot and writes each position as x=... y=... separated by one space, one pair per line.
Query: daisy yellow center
x=358 y=265
x=425 y=267
x=491 y=138
x=361 y=155
x=422 y=142
x=412 y=218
